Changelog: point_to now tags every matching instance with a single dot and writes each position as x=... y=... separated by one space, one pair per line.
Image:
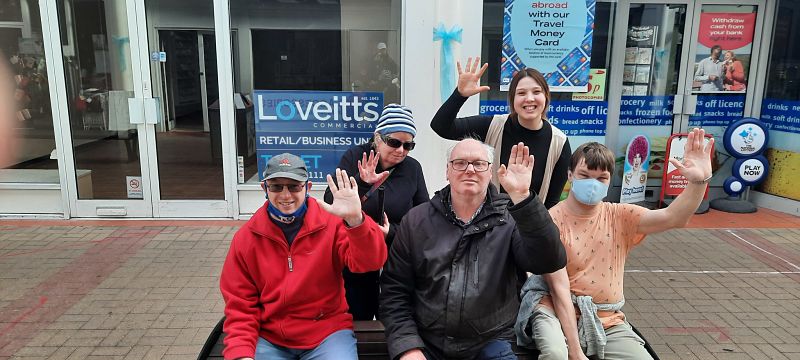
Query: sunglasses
x=276 y=188
x=394 y=143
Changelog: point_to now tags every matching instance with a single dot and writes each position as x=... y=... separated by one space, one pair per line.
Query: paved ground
x=148 y=289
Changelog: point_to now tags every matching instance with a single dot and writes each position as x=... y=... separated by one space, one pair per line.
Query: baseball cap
x=286 y=166
x=381 y=45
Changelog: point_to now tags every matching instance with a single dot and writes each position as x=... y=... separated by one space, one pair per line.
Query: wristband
x=704 y=181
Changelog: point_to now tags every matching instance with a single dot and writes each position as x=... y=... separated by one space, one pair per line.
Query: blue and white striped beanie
x=396 y=118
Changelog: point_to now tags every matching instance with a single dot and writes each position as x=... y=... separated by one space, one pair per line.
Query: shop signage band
x=318 y=126
x=552 y=36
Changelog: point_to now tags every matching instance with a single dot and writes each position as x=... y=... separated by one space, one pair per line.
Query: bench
x=370 y=338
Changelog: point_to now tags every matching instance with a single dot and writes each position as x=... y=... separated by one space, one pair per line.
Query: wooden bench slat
x=371 y=343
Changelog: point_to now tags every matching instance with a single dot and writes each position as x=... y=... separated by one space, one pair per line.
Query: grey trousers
x=622 y=343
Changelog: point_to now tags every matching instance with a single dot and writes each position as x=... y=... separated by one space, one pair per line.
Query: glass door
x=101 y=107
x=724 y=54
x=188 y=179
x=673 y=75
x=648 y=69
x=131 y=154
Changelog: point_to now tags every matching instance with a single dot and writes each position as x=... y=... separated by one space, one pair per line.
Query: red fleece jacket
x=293 y=297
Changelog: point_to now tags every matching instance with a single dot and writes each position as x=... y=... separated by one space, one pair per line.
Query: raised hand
x=469 y=81
x=346 y=203
x=367 y=166
x=516 y=177
x=696 y=164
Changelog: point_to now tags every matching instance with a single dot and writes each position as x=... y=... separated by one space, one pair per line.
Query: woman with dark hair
x=528 y=100
x=383 y=161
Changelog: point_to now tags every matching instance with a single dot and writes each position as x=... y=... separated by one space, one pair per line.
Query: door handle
x=136 y=111
x=677 y=104
x=690 y=104
x=152 y=115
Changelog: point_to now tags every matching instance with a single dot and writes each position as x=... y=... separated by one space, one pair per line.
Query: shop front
x=161 y=109
x=145 y=112
x=663 y=67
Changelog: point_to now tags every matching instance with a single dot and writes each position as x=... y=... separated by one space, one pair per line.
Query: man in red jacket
x=282 y=279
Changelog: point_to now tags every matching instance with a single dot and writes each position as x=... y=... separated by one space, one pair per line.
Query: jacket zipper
x=475 y=265
x=291 y=267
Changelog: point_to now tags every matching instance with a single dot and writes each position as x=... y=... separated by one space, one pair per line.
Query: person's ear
x=569 y=175
x=308 y=186
x=264 y=185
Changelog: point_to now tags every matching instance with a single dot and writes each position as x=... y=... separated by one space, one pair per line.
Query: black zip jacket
x=451 y=288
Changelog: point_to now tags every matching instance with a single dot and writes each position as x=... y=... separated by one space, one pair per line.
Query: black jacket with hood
x=451 y=288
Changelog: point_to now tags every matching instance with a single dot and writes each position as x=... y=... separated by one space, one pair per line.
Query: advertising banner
x=782 y=118
x=646 y=111
x=634 y=174
x=717 y=110
x=318 y=126
x=781 y=115
x=725 y=43
x=552 y=36
x=673 y=182
x=574 y=118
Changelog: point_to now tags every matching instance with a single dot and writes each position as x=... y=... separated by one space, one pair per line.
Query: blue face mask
x=589 y=191
x=287 y=218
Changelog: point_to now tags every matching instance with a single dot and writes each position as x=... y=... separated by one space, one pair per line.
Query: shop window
x=493 y=40
x=33 y=157
x=781 y=104
x=11 y=10
x=331 y=45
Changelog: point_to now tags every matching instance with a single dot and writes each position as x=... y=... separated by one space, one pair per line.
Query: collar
x=462 y=222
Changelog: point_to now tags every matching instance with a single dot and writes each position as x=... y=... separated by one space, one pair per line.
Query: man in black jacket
x=450 y=288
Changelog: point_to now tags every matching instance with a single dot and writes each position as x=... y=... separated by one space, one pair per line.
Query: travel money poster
x=552 y=36
x=317 y=126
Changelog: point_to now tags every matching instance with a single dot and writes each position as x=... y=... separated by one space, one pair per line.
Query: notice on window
x=596 y=88
x=134 y=186
x=552 y=36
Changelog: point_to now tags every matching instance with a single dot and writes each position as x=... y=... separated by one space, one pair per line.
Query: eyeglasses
x=276 y=188
x=394 y=143
x=478 y=165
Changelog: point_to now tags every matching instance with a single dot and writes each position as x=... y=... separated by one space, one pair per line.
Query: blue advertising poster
x=717 y=110
x=781 y=115
x=574 y=118
x=646 y=111
x=555 y=37
x=318 y=126
x=493 y=107
x=782 y=118
x=579 y=118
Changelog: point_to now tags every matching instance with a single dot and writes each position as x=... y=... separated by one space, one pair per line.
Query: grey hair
x=489 y=148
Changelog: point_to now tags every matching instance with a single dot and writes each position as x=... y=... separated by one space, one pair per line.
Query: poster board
x=672 y=182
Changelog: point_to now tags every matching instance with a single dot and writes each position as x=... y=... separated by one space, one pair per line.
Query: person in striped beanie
x=383 y=161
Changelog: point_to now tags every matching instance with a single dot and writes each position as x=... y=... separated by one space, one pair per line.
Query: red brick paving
x=148 y=289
